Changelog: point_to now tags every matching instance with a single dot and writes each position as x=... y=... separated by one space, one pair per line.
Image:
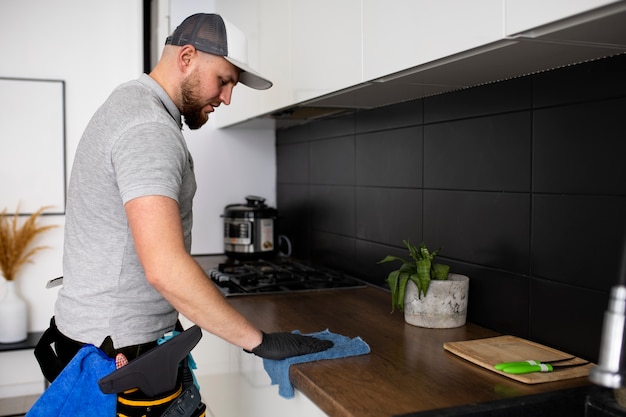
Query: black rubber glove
x=283 y=345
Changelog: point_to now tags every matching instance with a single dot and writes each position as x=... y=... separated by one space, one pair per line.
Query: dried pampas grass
x=14 y=241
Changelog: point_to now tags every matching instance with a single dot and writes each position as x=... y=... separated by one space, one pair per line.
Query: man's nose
x=226 y=95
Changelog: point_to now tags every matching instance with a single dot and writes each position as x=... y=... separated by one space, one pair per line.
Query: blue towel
x=75 y=392
x=344 y=346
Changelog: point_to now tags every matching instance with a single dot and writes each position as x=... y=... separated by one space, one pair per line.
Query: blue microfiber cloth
x=75 y=392
x=344 y=347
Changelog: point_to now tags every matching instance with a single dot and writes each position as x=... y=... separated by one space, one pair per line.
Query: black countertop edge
x=29 y=343
x=573 y=402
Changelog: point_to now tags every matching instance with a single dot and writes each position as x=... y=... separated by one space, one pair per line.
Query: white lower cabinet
x=244 y=395
x=234 y=384
x=20 y=374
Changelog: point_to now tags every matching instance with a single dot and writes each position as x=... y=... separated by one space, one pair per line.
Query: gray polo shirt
x=132 y=147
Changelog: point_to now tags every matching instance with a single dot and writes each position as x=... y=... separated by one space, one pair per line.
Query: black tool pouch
x=187 y=404
x=183 y=401
x=159 y=381
x=51 y=365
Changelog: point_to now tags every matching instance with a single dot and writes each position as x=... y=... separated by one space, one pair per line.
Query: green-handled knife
x=500 y=366
x=534 y=366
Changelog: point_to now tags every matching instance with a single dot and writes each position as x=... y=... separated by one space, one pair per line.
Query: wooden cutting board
x=490 y=351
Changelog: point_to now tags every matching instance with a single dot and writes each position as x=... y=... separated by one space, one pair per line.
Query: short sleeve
x=149 y=159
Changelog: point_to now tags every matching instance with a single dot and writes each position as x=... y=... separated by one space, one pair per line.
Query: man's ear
x=186 y=56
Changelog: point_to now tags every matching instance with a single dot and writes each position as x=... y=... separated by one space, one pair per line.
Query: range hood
x=589 y=36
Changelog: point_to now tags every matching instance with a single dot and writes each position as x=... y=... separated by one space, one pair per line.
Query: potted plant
x=15 y=251
x=427 y=292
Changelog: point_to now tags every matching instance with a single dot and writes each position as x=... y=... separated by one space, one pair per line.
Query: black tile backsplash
x=599 y=80
x=332 y=161
x=522 y=183
x=333 y=208
x=580 y=148
x=295 y=216
x=497 y=298
x=293 y=163
x=368 y=254
x=332 y=250
x=377 y=206
x=390 y=158
x=562 y=317
x=576 y=239
x=482 y=153
x=328 y=128
x=486 y=228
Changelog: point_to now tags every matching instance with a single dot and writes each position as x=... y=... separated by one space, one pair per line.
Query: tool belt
x=52 y=361
x=179 y=403
x=157 y=382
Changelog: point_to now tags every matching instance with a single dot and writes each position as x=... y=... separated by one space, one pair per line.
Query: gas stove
x=279 y=275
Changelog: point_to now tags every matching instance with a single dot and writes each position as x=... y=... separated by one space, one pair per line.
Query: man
x=127 y=267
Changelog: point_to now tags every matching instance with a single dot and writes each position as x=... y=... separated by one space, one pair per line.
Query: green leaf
x=413 y=252
x=404 y=278
x=424 y=252
x=423 y=276
x=390 y=258
x=408 y=268
x=424 y=284
x=421 y=284
x=440 y=271
x=423 y=267
x=392 y=281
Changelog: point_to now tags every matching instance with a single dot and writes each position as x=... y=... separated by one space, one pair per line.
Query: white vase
x=13 y=316
x=443 y=307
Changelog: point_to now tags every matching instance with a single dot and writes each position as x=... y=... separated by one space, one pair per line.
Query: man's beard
x=195 y=118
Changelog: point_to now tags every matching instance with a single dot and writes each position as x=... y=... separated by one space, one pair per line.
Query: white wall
x=230 y=163
x=94 y=46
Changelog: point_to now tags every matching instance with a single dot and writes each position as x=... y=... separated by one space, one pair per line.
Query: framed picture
x=32 y=145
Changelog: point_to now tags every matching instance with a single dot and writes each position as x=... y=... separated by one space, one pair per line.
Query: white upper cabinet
x=267 y=28
x=367 y=53
x=524 y=15
x=400 y=34
x=325 y=46
x=307 y=49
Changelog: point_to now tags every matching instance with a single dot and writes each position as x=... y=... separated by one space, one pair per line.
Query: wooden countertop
x=407 y=370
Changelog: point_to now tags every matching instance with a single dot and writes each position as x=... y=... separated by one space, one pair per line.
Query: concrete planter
x=443 y=307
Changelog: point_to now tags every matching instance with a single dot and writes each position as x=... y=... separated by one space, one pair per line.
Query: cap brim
x=250 y=77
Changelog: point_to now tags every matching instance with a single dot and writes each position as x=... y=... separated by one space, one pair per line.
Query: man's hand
x=283 y=345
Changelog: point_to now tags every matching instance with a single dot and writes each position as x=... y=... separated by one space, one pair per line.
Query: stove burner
x=277 y=276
